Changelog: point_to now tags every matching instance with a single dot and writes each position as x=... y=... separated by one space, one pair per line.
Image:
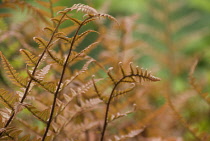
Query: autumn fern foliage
x=56 y=100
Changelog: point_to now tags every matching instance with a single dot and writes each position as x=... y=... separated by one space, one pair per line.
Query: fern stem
x=34 y=71
x=108 y=105
x=61 y=79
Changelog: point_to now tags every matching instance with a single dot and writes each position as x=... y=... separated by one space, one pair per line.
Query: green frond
x=30 y=58
x=8 y=99
x=12 y=74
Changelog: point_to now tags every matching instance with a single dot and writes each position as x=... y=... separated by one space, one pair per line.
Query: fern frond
x=97 y=90
x=56 y=59
x=83 y=8
x=41 y=115
x=41 y=73
x=41 y=42
x=106 y=16
x=119 y=115
x=11 y=133
x=12 y=74
x=83 y=52
x=82 y=35
x=49 y=29
x=49 y=86
x=8 y=99
x=30 y=58
x=110 y=75
x=122 y=92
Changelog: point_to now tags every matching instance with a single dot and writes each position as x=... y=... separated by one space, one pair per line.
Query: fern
x=12 y=74
x=65 y=101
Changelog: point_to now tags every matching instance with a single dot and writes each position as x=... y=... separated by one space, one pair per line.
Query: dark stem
x=107 y=108
x=61 y=80
x=33 y=73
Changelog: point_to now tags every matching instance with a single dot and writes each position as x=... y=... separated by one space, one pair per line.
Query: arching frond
x=8 y=99
x=30 y=58
x=83 y=52
x=83 y=8
x=49 y=86
x=42 y=43
x=12 y=74
x=11 y=133
x=122 y=92
x=56 y=59
x=41 y=115
x=40 y=74
x=119 y=115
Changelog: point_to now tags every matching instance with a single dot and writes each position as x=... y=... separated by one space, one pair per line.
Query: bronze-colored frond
x=30 y=58
x=12 y=74
x=84 y=8
x=8 y=99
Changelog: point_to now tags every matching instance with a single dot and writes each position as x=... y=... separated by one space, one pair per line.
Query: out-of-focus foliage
x=169 y=37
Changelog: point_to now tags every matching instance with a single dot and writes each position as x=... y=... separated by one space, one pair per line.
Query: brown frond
x=123 y=92
x=30 y=58
x=41 y=42
x=8 y=99
x=83 y=8
x=12 y=74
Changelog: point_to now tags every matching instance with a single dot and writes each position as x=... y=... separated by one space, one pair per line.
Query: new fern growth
x=65 y=93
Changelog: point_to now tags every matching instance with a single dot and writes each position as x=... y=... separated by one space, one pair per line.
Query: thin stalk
x=61 y=79
x=33 y=73
x=108 y=106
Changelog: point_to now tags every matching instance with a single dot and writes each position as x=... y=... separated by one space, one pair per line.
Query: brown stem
x=33 y=73
x=61 y=79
